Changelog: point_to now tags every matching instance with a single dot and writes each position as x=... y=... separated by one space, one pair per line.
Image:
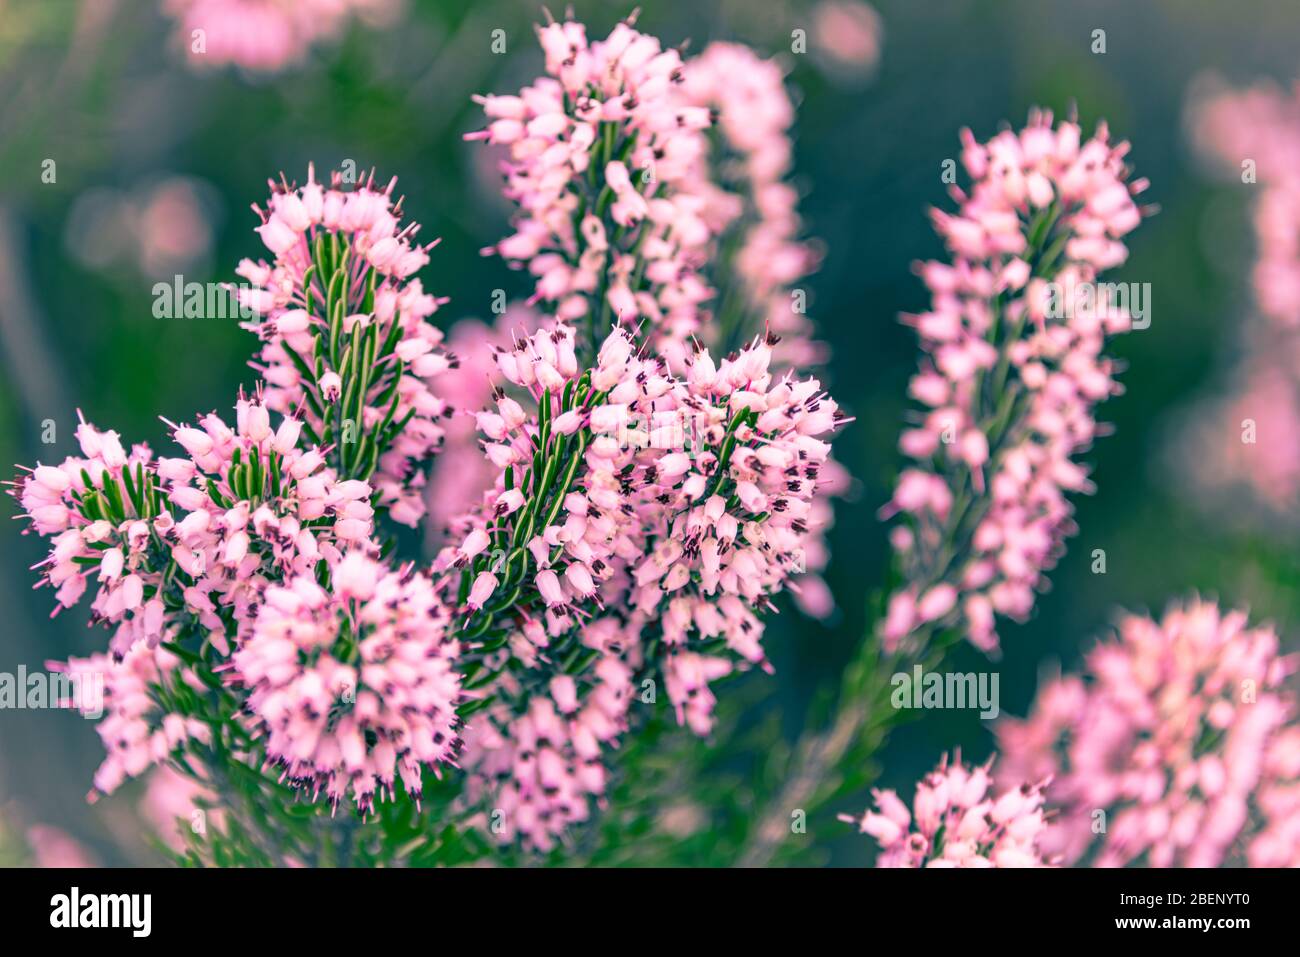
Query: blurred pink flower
x=849 y=34
x=1248 y=438
x=171 y=802
x=461 y=473
x=266 y=36
x=53 y=847
x=160 y=228
x=1172 y=748
x=742 y=181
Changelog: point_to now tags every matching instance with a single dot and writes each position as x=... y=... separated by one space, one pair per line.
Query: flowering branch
x=649 y=502
x=1012 y=373
x=1014 y=367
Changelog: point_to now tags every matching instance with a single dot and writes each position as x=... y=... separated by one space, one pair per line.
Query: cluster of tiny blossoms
x=1179 y=737
x=604 y=163
x=634 y=499
x=64 y=503
x=338 y=304
x=631 y=166
x=958 y=819
x=353 y=685
x=186 y=546
x=1012 y=371
x=685 y=490
x=199 y=535
x=542 y=767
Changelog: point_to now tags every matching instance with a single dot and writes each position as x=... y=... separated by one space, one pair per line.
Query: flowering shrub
x=619 y=482
x=646 y=501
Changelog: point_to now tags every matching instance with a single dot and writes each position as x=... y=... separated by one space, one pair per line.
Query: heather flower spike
x=625 y=201
x=1013 y=366
x=604 y=163
x=347 y=341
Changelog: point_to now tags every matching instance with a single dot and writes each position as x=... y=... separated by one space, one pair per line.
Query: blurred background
x=122 y=163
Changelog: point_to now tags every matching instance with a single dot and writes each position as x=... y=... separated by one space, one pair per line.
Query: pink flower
x=485 y=583
x=958 y=819
x=176 y=804
x=136 y=733
x=53 y=847
x=849 y=33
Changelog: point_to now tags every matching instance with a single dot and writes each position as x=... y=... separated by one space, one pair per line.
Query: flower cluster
x=98 y=511
x=959 y=819
x=679 y=499
x=543 y=766
x=642 y=509
x=1180 y=733
x=353 y=686
x=604 y=163
x=193 y=539
x=1277 y=841
x=337 y=305
x=1013 y=369
x=265 y=36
